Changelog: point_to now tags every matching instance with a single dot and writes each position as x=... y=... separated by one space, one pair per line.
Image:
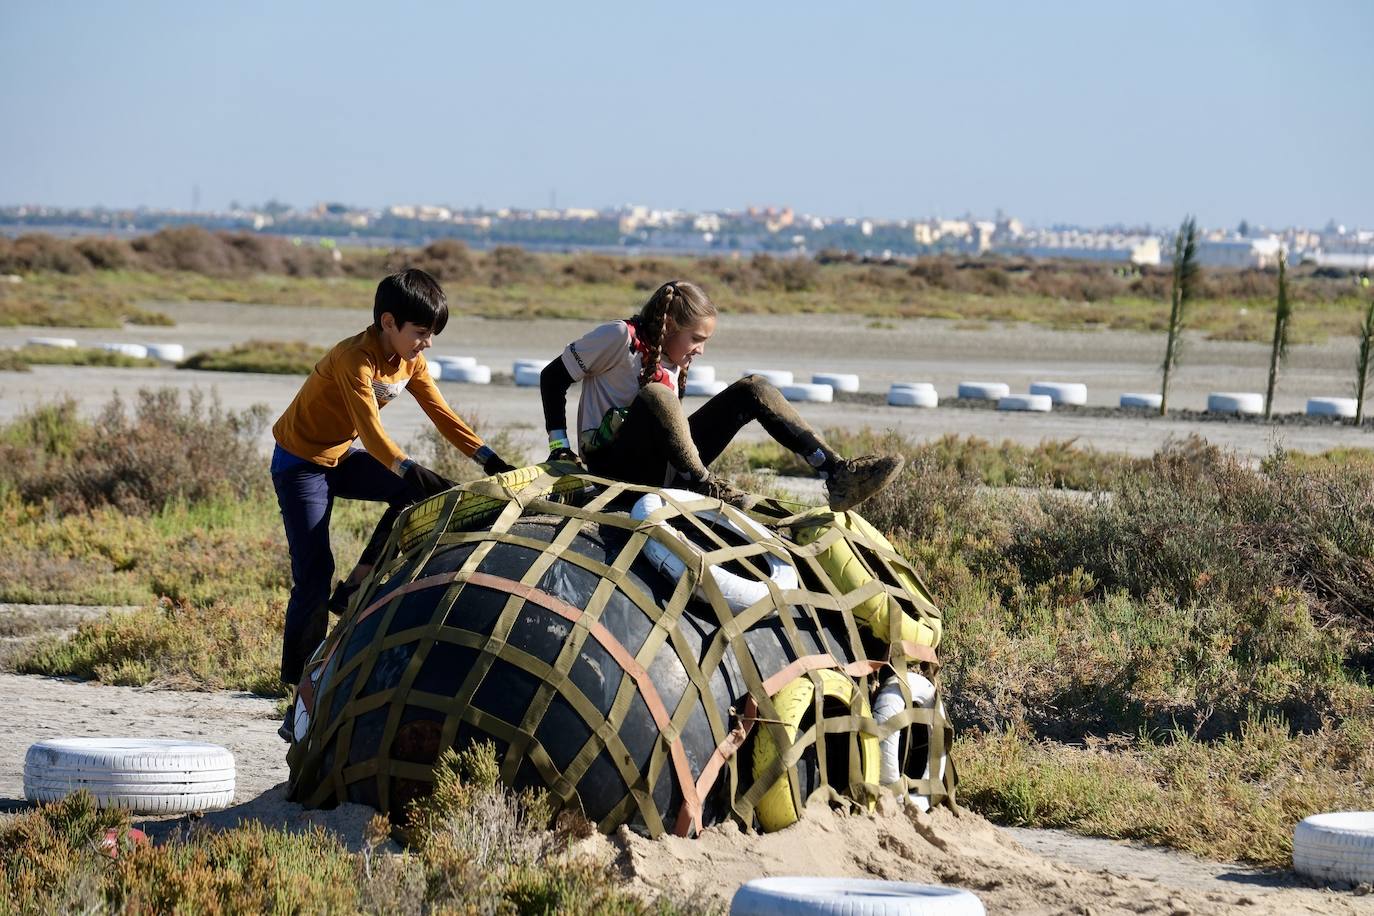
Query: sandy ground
x=1109 y=362
x=1020 y=871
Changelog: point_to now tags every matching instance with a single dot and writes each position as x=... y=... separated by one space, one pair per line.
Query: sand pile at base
x=899 y=843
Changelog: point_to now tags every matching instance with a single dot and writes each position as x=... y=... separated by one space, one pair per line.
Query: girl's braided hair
x=685 y=303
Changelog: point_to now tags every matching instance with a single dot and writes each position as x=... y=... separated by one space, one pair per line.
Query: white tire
x=143 y=775
x=840 y=381
x=912 y=397
x=454 y=362
x=62 y=343
x=1150 y=401
x=1062 y=392
x=136 y=351
x=527 y=376
x=536 y=364
x=851 y=897
x=1336 y=847
x=1331 y=407
x=436 y=371
x=914 y=385
x=1236 y=402
x=699 y=388
x=167 y=353
x=778 y=377
x=886 y=704
x=738 y=592
x=984 y=391
x=818 y=394
x=1037 y=403
x=471 y=375
x=701 y=373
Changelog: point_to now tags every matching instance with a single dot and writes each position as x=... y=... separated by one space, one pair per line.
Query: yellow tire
x=849 y=572
x=776 y=808
x=474 y=506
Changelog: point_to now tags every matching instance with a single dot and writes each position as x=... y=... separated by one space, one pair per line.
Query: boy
x=315 y=460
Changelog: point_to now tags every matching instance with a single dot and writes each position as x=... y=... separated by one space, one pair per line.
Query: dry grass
x=1211 y=612
x=1234 y=799
x=22 y=358
x=476 y=849
x=272 y=356
x=96 y=282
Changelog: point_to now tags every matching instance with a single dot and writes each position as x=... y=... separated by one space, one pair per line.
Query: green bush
x=56 y=860
x=270 y=356
x=77 y=356
x=165 y=451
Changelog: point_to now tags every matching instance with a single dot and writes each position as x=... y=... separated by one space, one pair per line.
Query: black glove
x=494 y=465
x=425 y=482
x=564 y=454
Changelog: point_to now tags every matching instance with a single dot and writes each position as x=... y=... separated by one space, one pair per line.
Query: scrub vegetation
x=19 y=360
x=101 y=282
x=275 y=356
x=474 y=847
x=1176 y=649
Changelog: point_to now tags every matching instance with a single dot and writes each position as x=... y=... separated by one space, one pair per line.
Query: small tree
x=1362 y=363
x=1186 y=277
x=1283 y=310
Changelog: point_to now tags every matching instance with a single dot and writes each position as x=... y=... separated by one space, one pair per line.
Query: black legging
x=657 y=434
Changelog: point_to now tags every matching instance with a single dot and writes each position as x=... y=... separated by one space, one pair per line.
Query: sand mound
x=899 y=843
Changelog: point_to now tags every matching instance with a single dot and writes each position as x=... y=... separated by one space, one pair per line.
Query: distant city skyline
x=1060 y=113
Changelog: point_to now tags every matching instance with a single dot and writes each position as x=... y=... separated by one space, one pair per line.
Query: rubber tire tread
x=182 y=803
x=851 y=897
x=1332 y=852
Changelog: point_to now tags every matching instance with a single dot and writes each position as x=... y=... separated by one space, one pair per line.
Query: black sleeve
x=554 y=383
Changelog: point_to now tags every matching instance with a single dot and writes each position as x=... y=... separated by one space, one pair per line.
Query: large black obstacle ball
x=452 y=664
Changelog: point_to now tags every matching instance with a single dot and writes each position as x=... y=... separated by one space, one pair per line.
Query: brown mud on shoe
x=856 y=479
x=721 y=489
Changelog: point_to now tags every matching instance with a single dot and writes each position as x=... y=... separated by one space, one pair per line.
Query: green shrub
x=491 y=844
x=78 y=356
x=163 y=452
x=270 y=356
x=507 y=265
x=54 y=861
x=1234 y=799
x=105 y=253
x=13 y=361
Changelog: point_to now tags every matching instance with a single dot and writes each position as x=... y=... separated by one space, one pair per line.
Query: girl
x=630 y=421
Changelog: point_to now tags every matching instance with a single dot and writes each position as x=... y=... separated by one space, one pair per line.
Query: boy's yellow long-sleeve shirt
x=341 y=400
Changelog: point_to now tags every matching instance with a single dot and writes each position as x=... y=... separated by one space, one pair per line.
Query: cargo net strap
x=483 y=514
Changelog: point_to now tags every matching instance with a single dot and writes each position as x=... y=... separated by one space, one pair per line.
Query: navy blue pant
x=306 y=492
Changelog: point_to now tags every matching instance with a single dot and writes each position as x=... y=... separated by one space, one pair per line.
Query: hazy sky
x=1091 y=112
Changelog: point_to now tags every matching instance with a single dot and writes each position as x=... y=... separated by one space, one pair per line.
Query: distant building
x=1083 y=246
x=1232 y=252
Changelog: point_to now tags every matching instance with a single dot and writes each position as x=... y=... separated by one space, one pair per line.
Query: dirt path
x=1109 y=362
x=1021 y=871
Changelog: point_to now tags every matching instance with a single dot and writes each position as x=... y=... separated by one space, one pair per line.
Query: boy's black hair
x=411 y=295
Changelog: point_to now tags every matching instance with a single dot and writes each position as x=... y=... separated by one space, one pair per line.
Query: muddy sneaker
x=721 y=489
x=856 y=479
